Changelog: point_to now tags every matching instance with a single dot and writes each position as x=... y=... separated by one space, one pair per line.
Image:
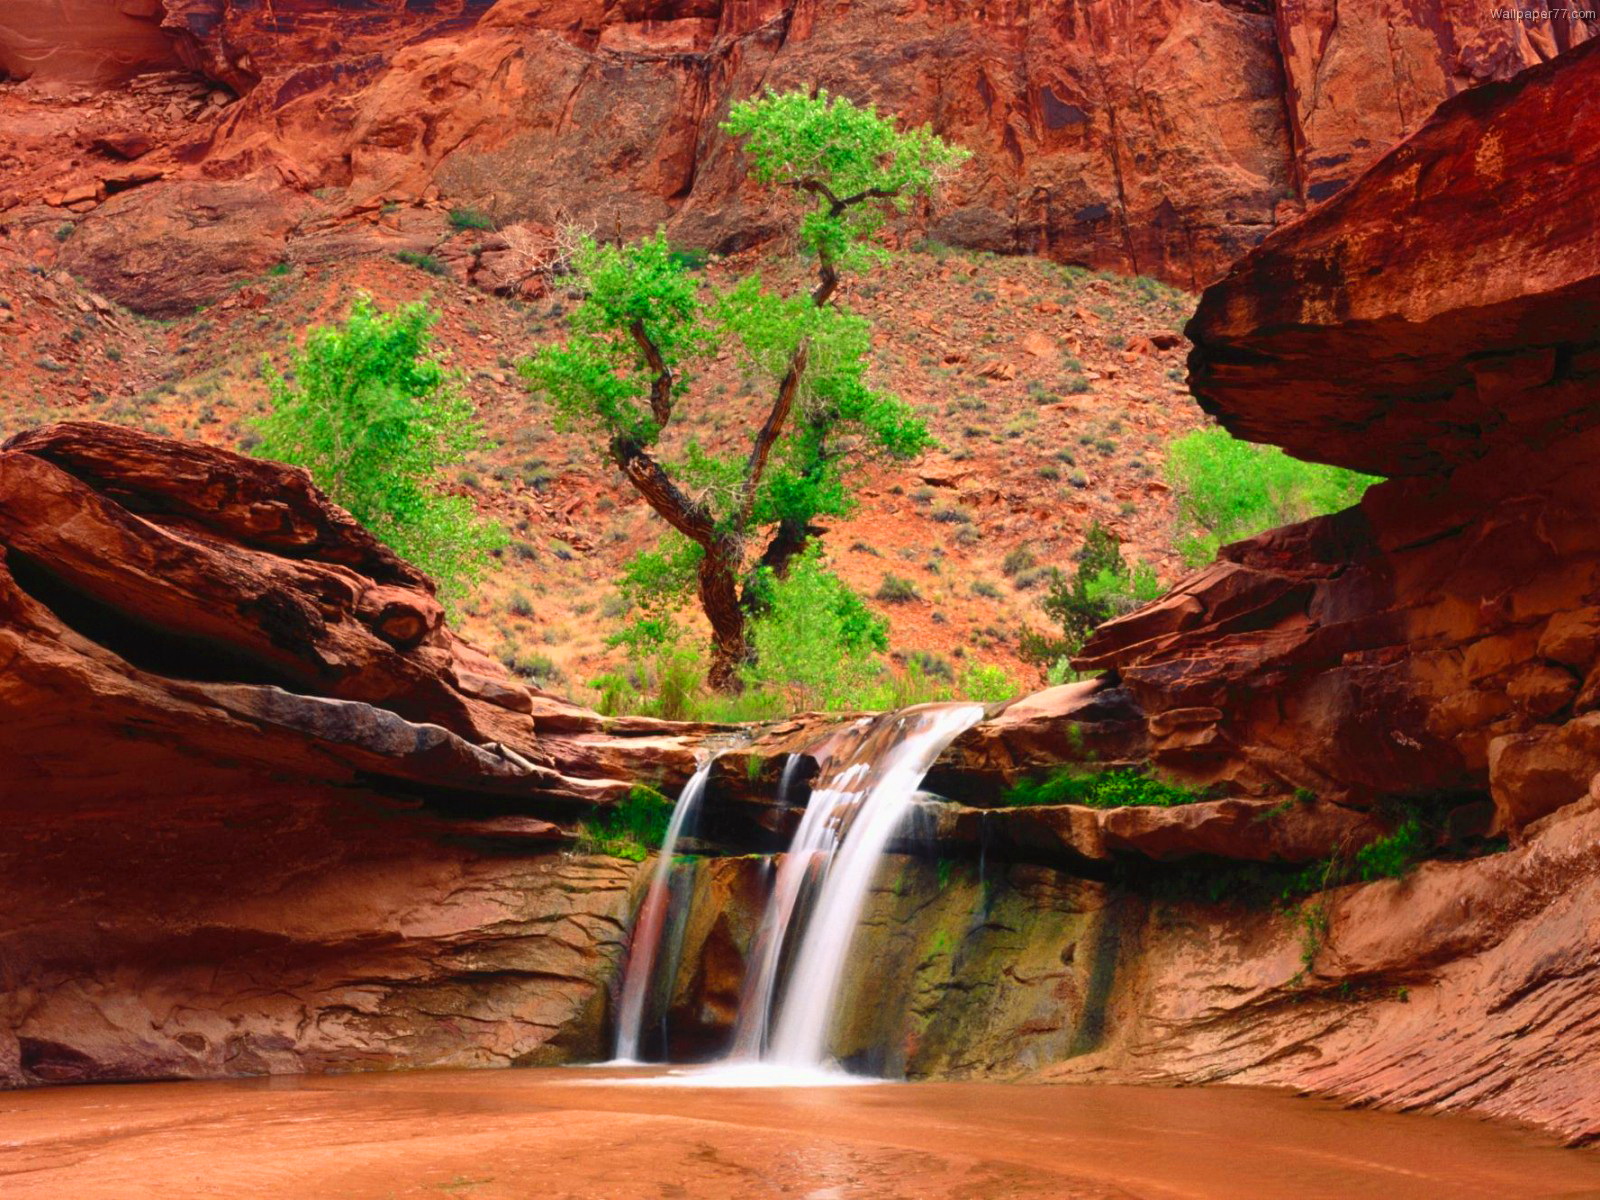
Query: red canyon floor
x=557 y=1134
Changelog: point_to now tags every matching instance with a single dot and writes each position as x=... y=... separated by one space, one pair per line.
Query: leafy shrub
x=377 y=419
x=1119 y=788
x=1228 y=489
x=470 y=218
x=988 y=684
x=814 y=638
x=423 y=262
x=630 y=829
x=1101 y=587
x=895 y=590
x=1394 y=854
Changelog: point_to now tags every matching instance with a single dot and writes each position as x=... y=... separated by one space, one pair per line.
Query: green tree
x=1229 y=489
x=376 y=418
x=645 y=320
x=1101 y=586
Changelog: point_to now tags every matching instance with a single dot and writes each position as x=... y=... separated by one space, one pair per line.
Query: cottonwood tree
x=645 y=320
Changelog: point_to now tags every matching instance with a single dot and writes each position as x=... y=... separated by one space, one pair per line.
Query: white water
x=887 y=785
x=650 y=926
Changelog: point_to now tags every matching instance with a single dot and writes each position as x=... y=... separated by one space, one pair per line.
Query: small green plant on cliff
x=647 y=323
x=377 y=418
x=1393 y=855
x=631 y=828
x=470 y=218
x=1117 y=788
x=1228 y=489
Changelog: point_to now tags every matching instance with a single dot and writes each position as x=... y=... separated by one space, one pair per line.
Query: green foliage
x=470 y=218
x=896 y=590
x=988 y=684
x=631 y=828
x=815 y=638
x=1118 y=788
x=1228 y=489
x=423 y=262
x=1394 y=854
x=1101 y=587
x=832 y=150
x=377 y=419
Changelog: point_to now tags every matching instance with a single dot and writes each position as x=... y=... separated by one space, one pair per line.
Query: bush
x=423 y=262
x=629 y=829
x=377 y=419
x=1101 y=587
x=988 y=684
x=815 y=638
x=1394 y=854
x=1228 y=489
x=1120 y=788
x=470 y=218
x=1017 y=560
x=895 y=590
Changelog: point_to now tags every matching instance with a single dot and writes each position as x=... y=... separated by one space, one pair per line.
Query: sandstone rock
x=1382 y=652
x=66 y=42
x=1398 y=329
x=1114 y=142
x=1533 y=774
x=1266 y=831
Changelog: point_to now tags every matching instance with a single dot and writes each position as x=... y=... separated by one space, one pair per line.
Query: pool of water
x=573 y=1134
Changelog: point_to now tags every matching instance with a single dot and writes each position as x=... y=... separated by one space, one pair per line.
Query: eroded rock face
x=1438 y=638
x=265 y=811
x=1163 y=141
x=1466 y=986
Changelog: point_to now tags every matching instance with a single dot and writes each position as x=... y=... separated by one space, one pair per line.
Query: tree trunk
x=719 y=597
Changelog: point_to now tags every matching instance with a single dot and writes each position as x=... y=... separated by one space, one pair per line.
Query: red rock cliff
x=1162 y=139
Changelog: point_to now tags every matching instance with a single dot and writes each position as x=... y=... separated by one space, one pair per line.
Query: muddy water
x=558 y=1134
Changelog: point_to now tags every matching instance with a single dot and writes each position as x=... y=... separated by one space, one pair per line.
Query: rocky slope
x=1158 y=140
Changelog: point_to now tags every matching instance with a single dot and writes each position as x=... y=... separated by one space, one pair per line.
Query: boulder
x=1533 y=774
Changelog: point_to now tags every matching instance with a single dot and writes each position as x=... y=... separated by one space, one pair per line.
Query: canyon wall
x=1161 y=138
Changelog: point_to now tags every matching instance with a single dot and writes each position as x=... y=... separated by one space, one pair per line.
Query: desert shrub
x=423 y=262
x=1100 y=587
x=1228 y=489
x=470 y=218
x=1019 y=559
x=895 y=590
x=378 y=419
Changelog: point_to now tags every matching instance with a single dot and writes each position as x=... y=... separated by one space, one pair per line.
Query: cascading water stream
x=650 y=926
x=857 y=806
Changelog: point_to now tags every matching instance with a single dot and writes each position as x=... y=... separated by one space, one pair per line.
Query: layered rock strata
x=1162 y=141
x=1436 y=324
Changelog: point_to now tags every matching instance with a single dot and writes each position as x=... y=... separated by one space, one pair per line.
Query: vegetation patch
x=1228 y=489
x=1119 y=788
x=629 y=829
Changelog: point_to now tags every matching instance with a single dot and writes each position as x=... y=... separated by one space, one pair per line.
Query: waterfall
x=650 y=926
x=856 y=806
